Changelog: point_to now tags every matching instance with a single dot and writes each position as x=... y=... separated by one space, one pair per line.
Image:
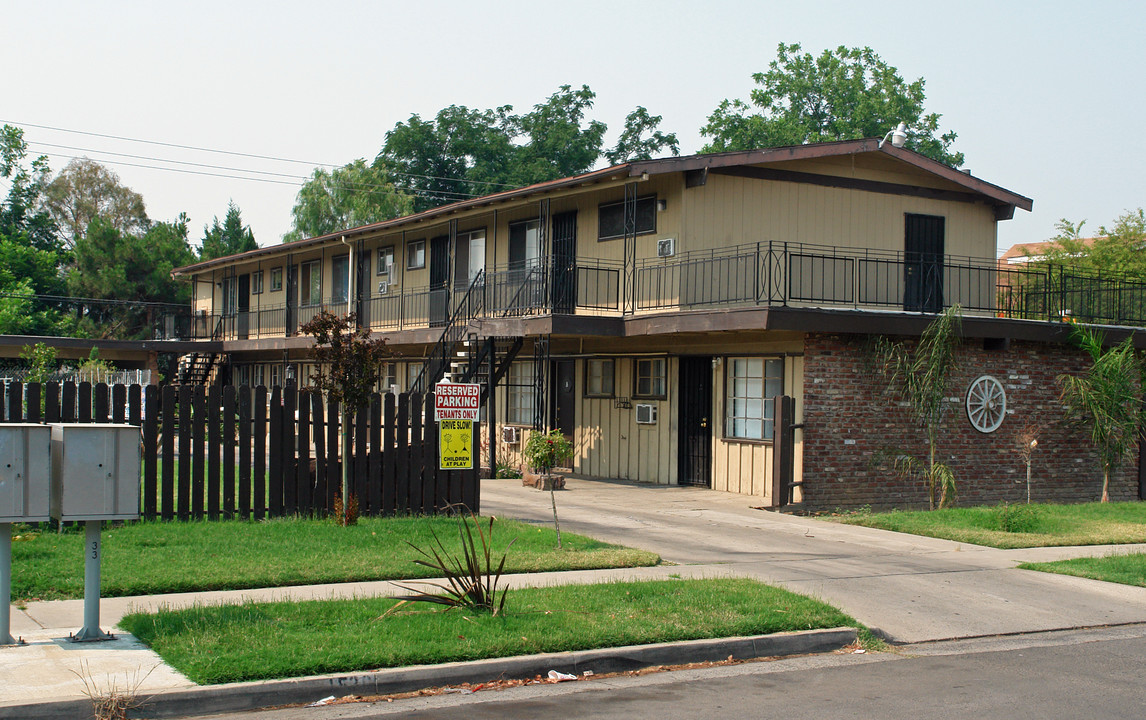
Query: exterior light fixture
x=898 y=136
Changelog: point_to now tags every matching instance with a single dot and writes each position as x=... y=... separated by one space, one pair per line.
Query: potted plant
x=542 y=453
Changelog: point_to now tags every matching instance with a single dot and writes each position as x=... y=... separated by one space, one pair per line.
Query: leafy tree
x=463 y=152
x=30 y=254
x=229 y=238
x=85 y=190
x=1117 y=250
x=22 y=216
x=921 y=377
x=348 y=362
x=41 y=361
x=558 y=142
x=633 y=145
x=114 y=265
x=845 y=94
x=1107 y=400
x=350 y=196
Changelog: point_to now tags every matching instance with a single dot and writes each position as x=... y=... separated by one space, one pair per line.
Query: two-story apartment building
x=653 y=310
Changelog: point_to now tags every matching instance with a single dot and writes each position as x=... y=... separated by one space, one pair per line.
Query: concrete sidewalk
x=911 y=589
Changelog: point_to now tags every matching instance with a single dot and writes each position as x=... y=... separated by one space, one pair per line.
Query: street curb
x=237 y=697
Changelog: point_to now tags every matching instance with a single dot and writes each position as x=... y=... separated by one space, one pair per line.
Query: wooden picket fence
x=239 y=452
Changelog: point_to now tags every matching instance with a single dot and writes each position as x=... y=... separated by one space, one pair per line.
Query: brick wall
x=847 y=419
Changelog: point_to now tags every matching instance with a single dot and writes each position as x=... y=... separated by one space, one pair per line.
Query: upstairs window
x=310 y=283
x=257 y=282
x=611 y=218
x=276 y=279
x=416 y=255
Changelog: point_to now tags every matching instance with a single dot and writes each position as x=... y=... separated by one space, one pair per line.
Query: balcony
x=765 y=274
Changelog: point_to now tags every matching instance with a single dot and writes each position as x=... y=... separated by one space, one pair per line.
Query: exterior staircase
x=197 y=368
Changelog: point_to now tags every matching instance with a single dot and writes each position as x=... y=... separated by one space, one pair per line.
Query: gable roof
x=735 y=162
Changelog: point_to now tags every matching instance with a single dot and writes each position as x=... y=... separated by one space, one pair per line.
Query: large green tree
x=85 y=190
x=1116 y=250
x=842 y=94
x=30 y=255
x=463 y=152
x=122 y=266
x=350 y=196
x=227 y=238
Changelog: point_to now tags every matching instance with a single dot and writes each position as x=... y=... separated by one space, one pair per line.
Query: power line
x=230 y=152
x=65 y=299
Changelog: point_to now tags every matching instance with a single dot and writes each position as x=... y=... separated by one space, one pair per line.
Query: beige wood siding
x=731 y=211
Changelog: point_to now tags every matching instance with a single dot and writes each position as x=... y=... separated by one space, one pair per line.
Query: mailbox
x=25 y=472
x=95 y=471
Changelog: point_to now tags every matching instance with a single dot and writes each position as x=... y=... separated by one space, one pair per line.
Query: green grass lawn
x=254 y=641
x=165 y=557
x=1051 y=525
x=1127 y=569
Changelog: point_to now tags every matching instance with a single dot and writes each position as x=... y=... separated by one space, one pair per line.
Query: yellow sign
x=455 y=444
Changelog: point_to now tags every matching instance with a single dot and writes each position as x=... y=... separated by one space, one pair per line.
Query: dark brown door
x=694 y=446
x=923 y=263
x=439 y=280
x=292 y=299
x=564 y=415
x=244 y=306
x=564 y=284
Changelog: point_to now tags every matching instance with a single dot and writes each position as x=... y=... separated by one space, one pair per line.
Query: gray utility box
x=95 y=471
x=25 y=472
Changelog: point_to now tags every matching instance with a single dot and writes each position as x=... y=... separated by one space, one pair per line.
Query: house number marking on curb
x=986 y=404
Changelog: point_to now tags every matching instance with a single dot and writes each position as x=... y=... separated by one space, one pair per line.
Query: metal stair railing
x=471 y=306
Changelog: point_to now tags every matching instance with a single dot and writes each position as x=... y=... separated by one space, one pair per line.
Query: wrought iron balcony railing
x=756 y=274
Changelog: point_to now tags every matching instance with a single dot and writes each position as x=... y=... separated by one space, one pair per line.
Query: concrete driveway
x=911 y=589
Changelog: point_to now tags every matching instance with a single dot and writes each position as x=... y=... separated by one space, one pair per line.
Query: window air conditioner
x=666 y=247
x=646 y=414
x=511 y=434
x=383 y=287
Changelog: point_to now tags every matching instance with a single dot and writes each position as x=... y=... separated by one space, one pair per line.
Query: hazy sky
x=1047 y=97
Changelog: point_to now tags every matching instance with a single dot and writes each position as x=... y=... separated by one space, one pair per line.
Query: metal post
x=6 y=584
x=92 y=551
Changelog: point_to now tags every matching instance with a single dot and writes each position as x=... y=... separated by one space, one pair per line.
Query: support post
x=92 y=556
x=6 y=584
x=491 y=404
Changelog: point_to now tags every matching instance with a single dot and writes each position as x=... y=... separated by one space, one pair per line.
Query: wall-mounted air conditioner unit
x=646 y=414
x=383 y=287
x=666 y=247
x=511 y=434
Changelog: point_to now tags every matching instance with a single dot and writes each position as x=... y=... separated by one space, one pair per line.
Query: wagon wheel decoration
x=986 y=404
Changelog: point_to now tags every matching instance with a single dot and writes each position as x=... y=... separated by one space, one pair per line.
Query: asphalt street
x=1093 y=674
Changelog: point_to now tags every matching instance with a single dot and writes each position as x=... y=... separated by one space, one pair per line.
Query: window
x=599 y=378
x=416 y=254
x=649 y=379
x=230 y=295
x=276 y=279
x=310 y=283
x=611 y=218
x=385 y=260
x=750 y=386
x=339 y=278
x=413 y=370
x=469 y=257
x=257 y=282
x=276 y=375
x=524 y=244
x=387 y=376
x=520 y=388
x=243 y=375
x=258 y=375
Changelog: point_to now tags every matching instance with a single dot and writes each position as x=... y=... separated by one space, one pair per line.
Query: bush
x=1017 y=518
x=544 y=451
